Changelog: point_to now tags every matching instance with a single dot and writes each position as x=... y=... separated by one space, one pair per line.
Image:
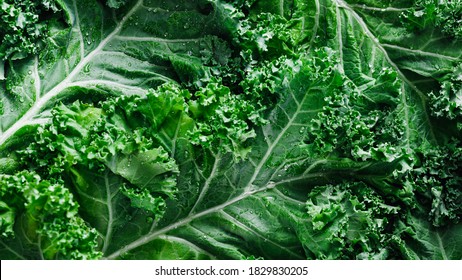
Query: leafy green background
x=300 y=129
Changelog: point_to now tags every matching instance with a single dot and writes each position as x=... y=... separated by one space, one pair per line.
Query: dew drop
x=86 y=68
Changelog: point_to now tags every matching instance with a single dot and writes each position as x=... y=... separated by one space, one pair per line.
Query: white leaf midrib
x=35 y=109
x=441 y=246
x=339 y=37
x=316 y=23
x=421 y=52
x=206 y=186
x=110 y=210
x=79 y=31
x=153 y=235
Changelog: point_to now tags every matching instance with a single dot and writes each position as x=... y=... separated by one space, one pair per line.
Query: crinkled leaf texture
x=304 y=129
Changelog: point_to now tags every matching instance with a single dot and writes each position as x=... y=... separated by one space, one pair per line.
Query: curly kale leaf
x=447 y=15
x=40 y=220
x=111 y=139
x=24 y=27
x=436 y=180
x=447 y=102
x=350 y=221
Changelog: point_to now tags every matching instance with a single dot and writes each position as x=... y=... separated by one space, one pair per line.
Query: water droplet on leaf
x=86 y=68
